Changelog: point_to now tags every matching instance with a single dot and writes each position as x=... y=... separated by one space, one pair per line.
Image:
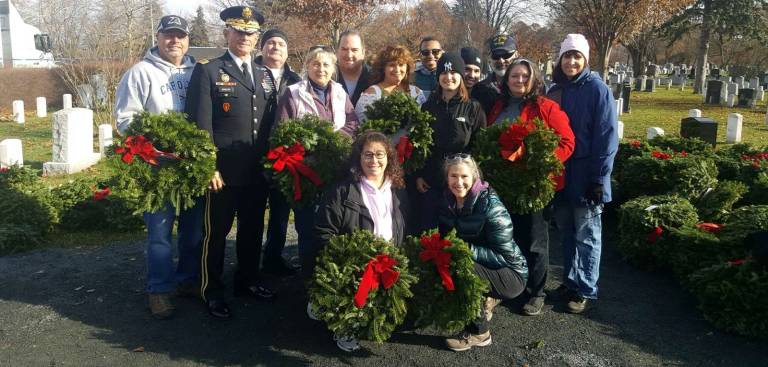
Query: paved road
x=86 y=307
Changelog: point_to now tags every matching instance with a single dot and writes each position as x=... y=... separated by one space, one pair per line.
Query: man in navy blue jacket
x=590 y=106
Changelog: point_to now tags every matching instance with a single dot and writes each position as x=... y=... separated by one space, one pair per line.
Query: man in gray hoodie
x=157 y=84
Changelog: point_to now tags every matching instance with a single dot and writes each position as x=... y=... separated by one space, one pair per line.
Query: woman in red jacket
x=522 y=97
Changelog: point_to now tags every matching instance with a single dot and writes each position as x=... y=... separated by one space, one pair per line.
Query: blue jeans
x=277 y=228
x=161 y=277
x=581 y=233
x=304 y=221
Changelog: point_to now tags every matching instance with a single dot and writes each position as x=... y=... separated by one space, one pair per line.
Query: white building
x=18 y=40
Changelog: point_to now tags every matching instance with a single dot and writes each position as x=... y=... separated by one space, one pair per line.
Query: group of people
x=240 y=99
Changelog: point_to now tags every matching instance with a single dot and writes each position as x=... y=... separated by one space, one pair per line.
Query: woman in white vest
x=391 y=72
x=317 y=94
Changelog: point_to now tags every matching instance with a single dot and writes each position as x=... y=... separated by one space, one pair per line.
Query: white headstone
x=42 y=107
x=733 y=88
x=66 y=100
x=739 y=80
x=653 y=132
x=732 y=100
x=11 y=153
x=18 y=111
x=620 y=130
x=619 y=107
x=694 y=112
x=760 y=93
x=72 y=142
x=733 y=129
x=105 y=138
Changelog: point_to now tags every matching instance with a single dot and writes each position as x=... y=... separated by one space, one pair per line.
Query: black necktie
x=247 y=74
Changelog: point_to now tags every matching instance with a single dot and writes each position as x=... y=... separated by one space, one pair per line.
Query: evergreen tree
x=198 y=34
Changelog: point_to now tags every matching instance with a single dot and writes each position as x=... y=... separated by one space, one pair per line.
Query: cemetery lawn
x=665 y=108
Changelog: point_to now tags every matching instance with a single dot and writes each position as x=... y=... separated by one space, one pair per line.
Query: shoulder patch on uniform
x=202 y=61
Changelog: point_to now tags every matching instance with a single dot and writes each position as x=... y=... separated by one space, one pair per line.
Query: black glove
x=594 y=193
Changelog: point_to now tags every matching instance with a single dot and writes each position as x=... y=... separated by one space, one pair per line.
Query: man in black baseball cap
x=172 y=22
x=503 y=49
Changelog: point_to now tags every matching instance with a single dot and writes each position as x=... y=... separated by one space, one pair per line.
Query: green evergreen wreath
x=336 y=281
x=525 y=184
x=324 y=152
x=162 y=158
x=397 y=116
x=434 y=303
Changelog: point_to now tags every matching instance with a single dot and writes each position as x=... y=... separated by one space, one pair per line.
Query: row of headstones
x=717 y=92
x=72 y=148
x=700 y=127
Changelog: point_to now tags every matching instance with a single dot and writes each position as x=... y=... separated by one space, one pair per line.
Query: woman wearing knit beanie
x=457 y=119
x=521 y=99
x=591 y=109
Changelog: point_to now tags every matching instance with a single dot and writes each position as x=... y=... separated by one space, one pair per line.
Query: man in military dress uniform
x=227 y=98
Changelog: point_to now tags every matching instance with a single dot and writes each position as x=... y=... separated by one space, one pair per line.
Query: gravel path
x=86 y=307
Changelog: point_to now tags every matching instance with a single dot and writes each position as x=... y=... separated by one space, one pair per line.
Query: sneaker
x=466 y=340
x=488 y=305
x=346 y=343
x=311 y=314
x=533 y=306
x=160 y=306
x=577 y=304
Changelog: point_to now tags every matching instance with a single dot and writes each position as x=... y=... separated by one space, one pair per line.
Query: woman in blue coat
x=474 y=210
x=591 y=109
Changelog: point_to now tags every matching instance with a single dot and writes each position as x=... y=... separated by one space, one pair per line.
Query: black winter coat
x=454 y=127
x=484 y=223
x=342 y=210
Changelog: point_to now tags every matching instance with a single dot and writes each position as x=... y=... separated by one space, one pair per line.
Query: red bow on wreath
x=660 y=155
x=378 y=271
x=404 y=148
x=654 y=235
x=434 y=249
x=738 y=261
x=512 y=142
x=141 y=146
x=710 y=227
x=102 y=194
x=293 y=159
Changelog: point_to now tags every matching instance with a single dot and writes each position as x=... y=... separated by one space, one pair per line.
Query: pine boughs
x=325 y=153
x=524 y=185
x=337 y=277
x=399 y=115
x=661 y=172
x=693 y=146
x=744 y=221
x=715 y=205
x=148 y=187
x=642 y=222
x=733 y=296
x=434 y=305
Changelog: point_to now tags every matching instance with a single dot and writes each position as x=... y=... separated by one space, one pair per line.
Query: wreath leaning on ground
x=518 y=160
x=399 y=117
x=305 y=154
x=449 y=293
x=360 y=286
x=162 y=158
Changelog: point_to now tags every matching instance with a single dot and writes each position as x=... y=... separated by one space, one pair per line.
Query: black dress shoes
x=255 y=291
x=219 y=309
x=278 y=267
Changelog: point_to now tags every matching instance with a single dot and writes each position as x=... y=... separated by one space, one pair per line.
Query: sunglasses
x=502 y=56
x=435 y=52
x=458 y=157
x=321 y=47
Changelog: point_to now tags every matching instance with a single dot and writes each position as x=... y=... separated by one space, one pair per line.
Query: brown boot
x=466 y=340
x=160 y=305
x=489 y=303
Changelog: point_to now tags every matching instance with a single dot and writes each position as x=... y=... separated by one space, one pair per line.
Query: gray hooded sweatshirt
x=153 y=85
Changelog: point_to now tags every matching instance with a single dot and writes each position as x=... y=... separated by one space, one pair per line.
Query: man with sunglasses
x=228 y=97
x=425 y=77
x=503 y=49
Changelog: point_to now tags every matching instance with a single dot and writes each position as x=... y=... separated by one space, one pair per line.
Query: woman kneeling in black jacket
x=372 y=198
x=474 y=209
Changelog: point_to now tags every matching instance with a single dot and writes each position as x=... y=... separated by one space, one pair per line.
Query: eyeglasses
x=458 y=157
x=502 y=56
x=435 y=52
x=369 y=156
